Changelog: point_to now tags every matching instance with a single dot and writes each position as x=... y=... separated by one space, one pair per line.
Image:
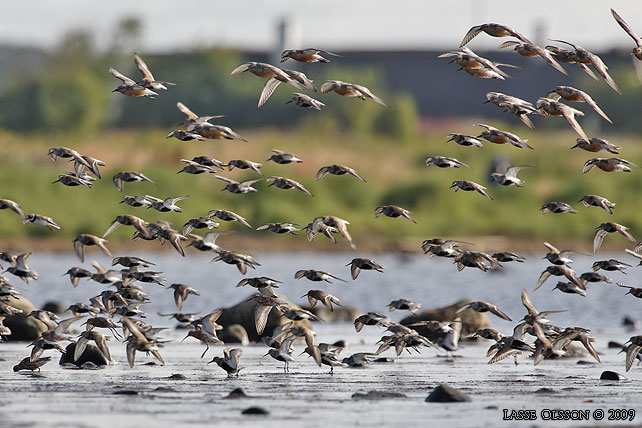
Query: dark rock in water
x=384 y=360
x=545 y=391
x=23 y=328
x=377 y=395
x=91 y=354
x=491 y=407
x=177 y=376
x=471 y=320
x=609 y=375
x=614 y=345
x=585 y=363
x=55 y=307
x=236 y=393
x=447 y=394
x=164 y=389
x=243 y=314
x=126 y=392
x=339 y=314
x=254 y=410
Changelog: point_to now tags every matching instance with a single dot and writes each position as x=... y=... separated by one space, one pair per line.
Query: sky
x=170 y=25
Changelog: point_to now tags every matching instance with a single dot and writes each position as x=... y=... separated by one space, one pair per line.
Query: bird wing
x=495 y=310
x=471 y=34
x=587 y=98
x=187 y=112
x=569 y=115
x=261 y=313
x=626 y=28
x=631 y=353
x=365 y=91
x=241 y=68
x=546 y=54
x=597 y=240
x=542 y=278
x=354 y=271
x=143 y=68
x=528 y=304
x=79 y=249
x=268 y=90
x=126 y=80
x=353 y=173
x=227 y=180
x=329 y=86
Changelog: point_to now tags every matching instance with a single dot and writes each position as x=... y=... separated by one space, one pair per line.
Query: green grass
x=395 y=171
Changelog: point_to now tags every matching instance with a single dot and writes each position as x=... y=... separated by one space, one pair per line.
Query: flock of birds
x=119 y=310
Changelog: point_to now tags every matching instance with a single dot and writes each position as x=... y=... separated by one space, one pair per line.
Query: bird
x=305 y=101
x=148 y=80
x=441 y=248
x=181 y=293
x=75 y=273
x=557 y=208
x=514 y=105
x=287 y=183
x=610 y=265
x=241 y=260
x=509 y=178
x=41 y=220
x=136 y=201
x=632 y=346
x=570 y=288
x=572 y=94
x=228 y=216
x=470 y=186
x=464 y=140
x=85 y=239
x=230 y=361
x=530 y=50
x=393 y=211
x=130 y=87
x=637 y=50
x=549 y=107
x=327 y=299
x=476 y=259
x=206 y=242
x=283 y=352
x=138 y=341
x=556 y=256
x=244 y=164
x=21 y=269
x=337 y=170
x=192 y=167
x=596 y=145
x=492 y=29
x=350 y=90
x=214 y=132
x=285 y=227
x=141 y=226
x=608 y=165
x=609 y=227
x=193 y=118
x=183 y=135
x=167 y=204
x=29 y=364
x=559 y=270
x=371 y=318
x=308 y=55
x=476 y=65
x=206 y=330
x=497 y=136
x=284 y=158
x=234 y=186
x=71 y=179
x=274 y=74
x=358 y=264
x=582 y=56
x=84 y=339
x=484 y=307
x=598 y=201
x=633 y=291
x=507 y=256
x=129 y=177
x=316 y=275
x=199 y=223
x=404 y=304
x=444 y=162
x=13 y=206
x=262 y=308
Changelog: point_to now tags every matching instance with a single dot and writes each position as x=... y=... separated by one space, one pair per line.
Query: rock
x=234 y=333
x=177 y=376
x=339 y=314
x=55 y=307
x=447 y=394
x=471 y=320
x=254 y=410
x=243 y=314
x=90 y=354
x=585 y=363
x=23 y=328
x=545 y=391
x=126 y=392
x=236 y=393
x=609 y=375
x=384 y=360
x=377 y=395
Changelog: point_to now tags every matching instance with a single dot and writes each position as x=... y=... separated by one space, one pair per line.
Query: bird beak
x=288 y=102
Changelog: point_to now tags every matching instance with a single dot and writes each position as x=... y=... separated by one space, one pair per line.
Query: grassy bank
x=394 y=169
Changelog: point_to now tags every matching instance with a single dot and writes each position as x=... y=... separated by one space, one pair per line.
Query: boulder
x=243 y=314
x=23 y=328
x=609 y=375
x=471 y=320
x=339 y=314
x=91 y=354
x=447 y=394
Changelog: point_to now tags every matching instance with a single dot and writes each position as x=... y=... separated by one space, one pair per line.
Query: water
x=432 y=282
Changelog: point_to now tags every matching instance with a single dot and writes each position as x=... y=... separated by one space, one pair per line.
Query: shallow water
x=308 y=395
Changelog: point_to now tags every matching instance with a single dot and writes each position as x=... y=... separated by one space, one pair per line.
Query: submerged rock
x=447 y=394
x=609 y=375
x=236 y=393
x=255 y=410
x=377 y=395
x=471 y=320
x=339 y=314
x=23 y=328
